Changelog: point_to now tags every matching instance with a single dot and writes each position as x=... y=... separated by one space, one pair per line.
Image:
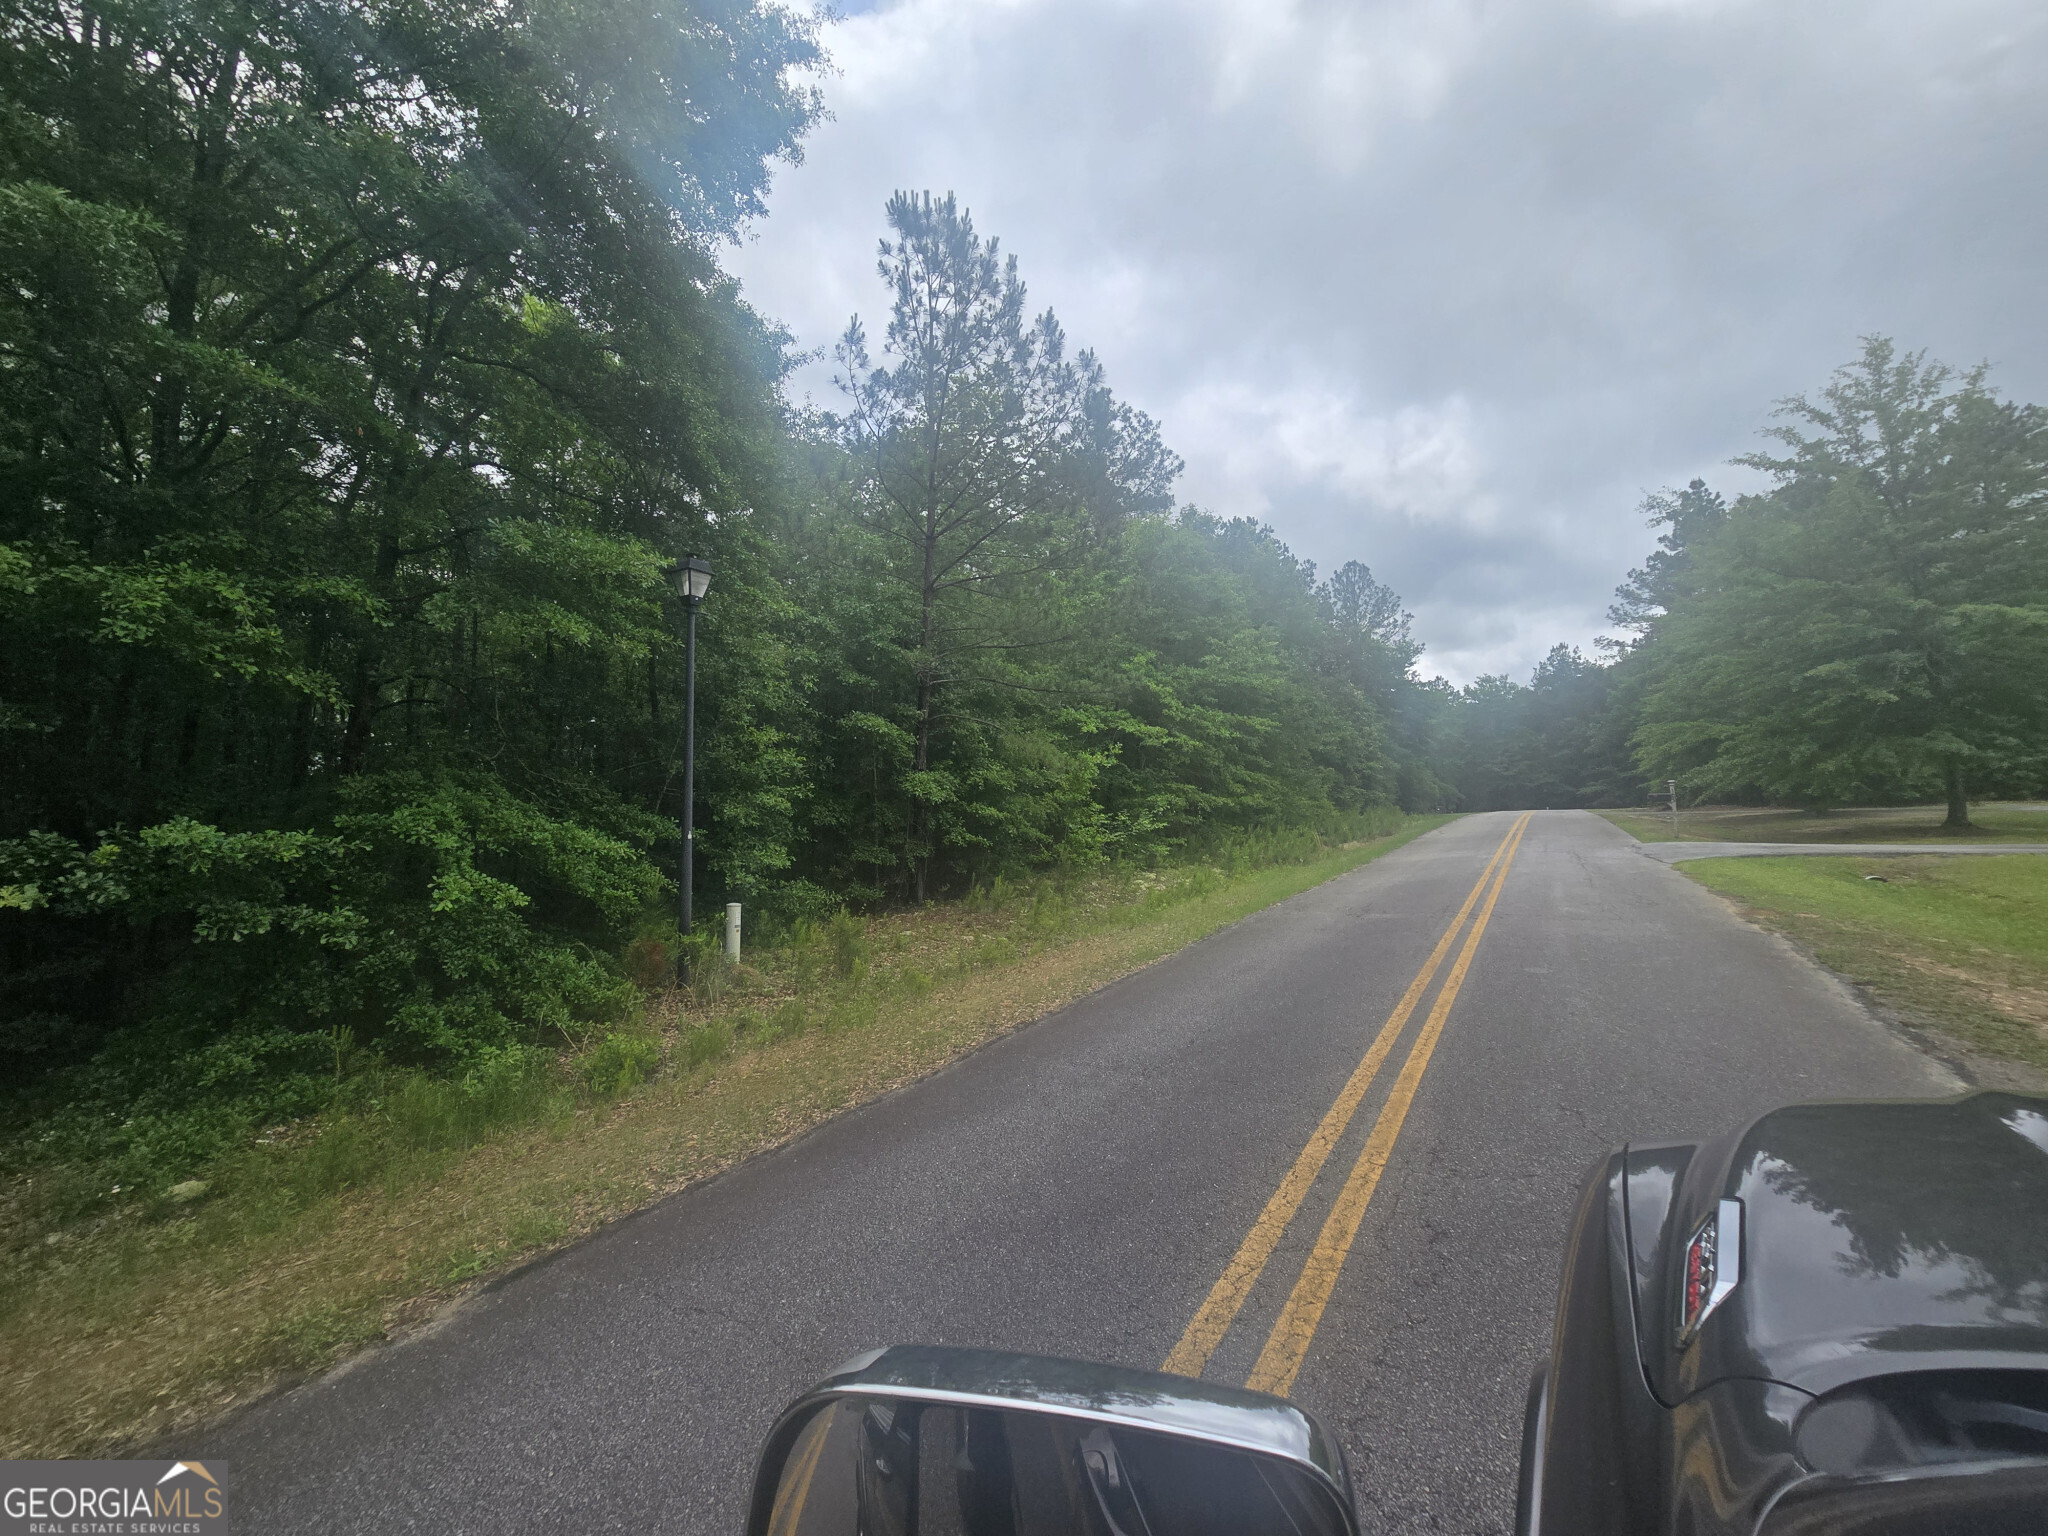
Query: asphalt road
x=1078 y=1188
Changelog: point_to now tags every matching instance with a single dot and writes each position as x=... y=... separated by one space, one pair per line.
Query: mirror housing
x=968 y=1442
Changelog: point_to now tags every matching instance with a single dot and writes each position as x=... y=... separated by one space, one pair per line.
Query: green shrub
x=1048 y=912
x=992 y=897
x=848 y=937
x=805 y=967
x=996 y=950
x=711 y=974
x=620 y=1062
x=434 y=1114
x=346 y=1155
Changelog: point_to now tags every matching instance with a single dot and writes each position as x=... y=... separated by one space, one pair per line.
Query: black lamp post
x=693 y=579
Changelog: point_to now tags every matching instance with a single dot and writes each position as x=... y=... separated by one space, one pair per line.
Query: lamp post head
x=693 y=579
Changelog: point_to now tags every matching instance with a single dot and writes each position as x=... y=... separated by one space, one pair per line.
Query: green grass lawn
x=1961 y=944
x=2016 y=823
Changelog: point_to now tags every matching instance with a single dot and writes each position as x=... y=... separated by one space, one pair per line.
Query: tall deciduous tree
x=1879 y=621
x=1665 y=580
x=362 y=364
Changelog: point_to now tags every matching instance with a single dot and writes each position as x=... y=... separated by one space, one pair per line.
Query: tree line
x=1871 y=629
x=365 y=369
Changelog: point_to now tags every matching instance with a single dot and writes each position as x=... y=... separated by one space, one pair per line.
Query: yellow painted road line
x=789 y=1511
x=1287 y=1345
x=1213 y=1318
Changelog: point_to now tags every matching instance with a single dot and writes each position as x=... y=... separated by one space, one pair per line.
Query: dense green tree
x=1024 y=657
x=1666 y=580
x=985 y=461
x=1368 y=612
x=365 y=367
x=1376 y=634
x=1877 y=624
x=1874 y=628
x=1540 y=744
x=362 y=366
x=1228 y=700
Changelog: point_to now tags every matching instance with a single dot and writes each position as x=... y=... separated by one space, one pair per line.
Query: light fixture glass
x=693 y=579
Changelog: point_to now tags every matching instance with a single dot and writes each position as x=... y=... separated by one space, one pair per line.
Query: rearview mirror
x=916 y=1441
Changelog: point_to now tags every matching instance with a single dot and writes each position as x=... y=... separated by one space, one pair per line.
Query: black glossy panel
x=1877 y=1238
x=1731 y=1455
x=1928 y=1418
x=1993 y=1501
x=1599 y=1424
x=1653 y=1171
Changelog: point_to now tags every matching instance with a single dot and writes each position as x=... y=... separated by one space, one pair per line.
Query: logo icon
x=114 y=1498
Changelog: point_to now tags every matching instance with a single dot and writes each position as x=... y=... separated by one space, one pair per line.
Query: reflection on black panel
x=891 y=1467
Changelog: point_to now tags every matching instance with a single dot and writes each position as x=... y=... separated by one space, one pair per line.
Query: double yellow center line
x=1287 y=1345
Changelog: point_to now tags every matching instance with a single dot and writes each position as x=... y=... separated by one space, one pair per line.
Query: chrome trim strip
x=1727 y=1255
x=1727 y=1224
x=825 y=1394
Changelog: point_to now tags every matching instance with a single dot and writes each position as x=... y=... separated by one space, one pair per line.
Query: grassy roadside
x=151 y=1316
x=2019 y=823
x=1958 y=944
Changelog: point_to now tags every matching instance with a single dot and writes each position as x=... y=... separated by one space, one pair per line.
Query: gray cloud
x=1446 y=287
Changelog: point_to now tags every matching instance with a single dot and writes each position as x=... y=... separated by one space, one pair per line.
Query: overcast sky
x=1448 y=287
